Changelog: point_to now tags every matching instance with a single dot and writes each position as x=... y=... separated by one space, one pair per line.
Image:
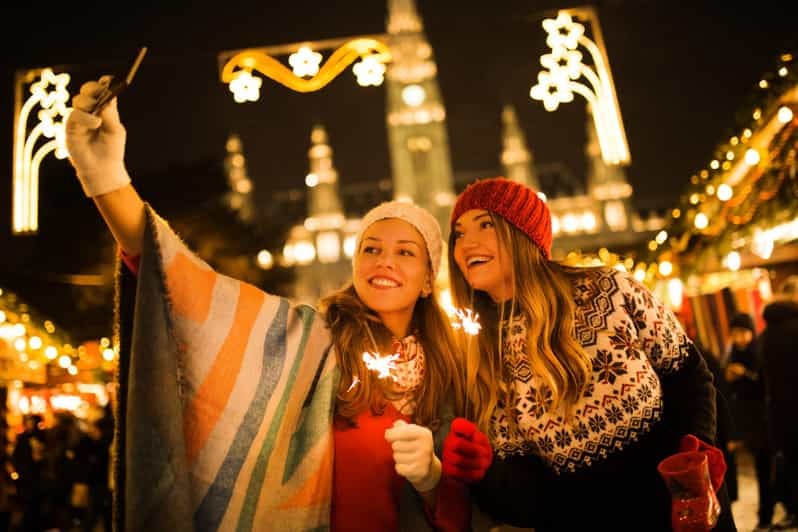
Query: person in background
x=746 y=384
x=727 y=437
x=779 y=342
x=92 y=458
x=29 y=461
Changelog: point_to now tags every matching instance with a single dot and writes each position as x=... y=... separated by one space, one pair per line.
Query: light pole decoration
x=566 y=74
x=49 y=92
x=307 y=73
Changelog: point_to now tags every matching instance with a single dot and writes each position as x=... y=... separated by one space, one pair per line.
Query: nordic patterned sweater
x=597 y=469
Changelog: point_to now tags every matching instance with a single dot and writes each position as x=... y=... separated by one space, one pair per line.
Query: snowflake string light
x=245 y=87
x=305 y=62
x=369 y=71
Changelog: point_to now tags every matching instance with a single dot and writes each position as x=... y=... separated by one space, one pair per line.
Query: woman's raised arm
x=96 y=147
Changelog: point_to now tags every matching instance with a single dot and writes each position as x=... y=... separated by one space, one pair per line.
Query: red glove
x=466 y=452
x=717 y=464
x=693 y=476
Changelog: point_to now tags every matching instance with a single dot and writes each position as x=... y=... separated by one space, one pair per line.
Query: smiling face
x=391 y=271
x=483 y=261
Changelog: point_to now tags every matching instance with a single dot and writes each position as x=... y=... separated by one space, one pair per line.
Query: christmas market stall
x=734 y=234
x=42 y=371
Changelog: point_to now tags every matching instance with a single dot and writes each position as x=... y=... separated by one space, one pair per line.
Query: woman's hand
x=414 y=455
x=735 y=371
x=96 y=144
x=466 y=452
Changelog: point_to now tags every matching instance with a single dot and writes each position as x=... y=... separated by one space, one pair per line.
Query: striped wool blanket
x=225 y=402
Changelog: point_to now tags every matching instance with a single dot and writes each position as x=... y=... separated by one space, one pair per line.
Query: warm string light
x=747 y=161
x=40 y=346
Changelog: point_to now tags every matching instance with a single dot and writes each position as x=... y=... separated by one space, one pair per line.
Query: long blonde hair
x=353 y=325
x=543 y=293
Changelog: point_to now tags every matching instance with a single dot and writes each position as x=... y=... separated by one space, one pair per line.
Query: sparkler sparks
x=469 y=322
x=381 y=364
x=354 y=383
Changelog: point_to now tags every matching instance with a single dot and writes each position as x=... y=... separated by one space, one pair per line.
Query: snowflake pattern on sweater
x=631 y=338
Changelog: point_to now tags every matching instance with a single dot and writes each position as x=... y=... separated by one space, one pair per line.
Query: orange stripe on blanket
x=316 y=489
x=201 y=415
x=190 y=287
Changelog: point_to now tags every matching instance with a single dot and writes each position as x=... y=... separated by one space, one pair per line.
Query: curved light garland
x=27 y=157
x=370 y=70
x=563 y=67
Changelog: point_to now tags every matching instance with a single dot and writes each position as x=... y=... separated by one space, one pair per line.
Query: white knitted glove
x=96 y=144
x=414 y=455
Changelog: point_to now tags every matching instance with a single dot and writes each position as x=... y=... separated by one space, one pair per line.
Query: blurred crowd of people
x=57 y=477
x=757 y=378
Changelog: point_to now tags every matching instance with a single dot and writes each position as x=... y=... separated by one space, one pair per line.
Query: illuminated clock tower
x=418 y=142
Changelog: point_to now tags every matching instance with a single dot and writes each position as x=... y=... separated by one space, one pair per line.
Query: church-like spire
x=517 y=160
x=239 y=197
x=417 y=137
x=324 y=201
x=403 y=17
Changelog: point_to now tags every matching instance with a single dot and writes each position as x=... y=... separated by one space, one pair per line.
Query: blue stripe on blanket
x=214 y=505
x=306 y=316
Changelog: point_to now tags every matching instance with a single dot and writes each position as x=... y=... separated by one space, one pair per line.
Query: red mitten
x=693 y=476
x=466 y=452
x=717 y=464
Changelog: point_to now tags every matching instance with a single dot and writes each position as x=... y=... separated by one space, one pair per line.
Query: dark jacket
x=619 y=489
x=747 y=396
x=780 y=350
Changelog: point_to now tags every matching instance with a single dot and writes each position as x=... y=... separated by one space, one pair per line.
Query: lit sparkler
x=381 y=364
x=468 y=321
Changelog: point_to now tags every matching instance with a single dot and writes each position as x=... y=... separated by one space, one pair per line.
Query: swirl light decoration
x=565 y=74
x=369 y=55
x=50 y=94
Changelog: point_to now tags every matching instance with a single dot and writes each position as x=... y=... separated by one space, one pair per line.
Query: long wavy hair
x=543 y=294
x=353 y=325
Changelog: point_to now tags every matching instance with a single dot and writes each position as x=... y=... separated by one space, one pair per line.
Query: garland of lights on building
x=747 y=196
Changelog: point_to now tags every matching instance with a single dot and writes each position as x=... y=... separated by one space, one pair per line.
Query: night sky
x=681 y=69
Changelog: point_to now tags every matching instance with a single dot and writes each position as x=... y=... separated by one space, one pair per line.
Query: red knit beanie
x=516 y=203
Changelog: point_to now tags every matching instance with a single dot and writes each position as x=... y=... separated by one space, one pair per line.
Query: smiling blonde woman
x=583 y=381
x=238 y=409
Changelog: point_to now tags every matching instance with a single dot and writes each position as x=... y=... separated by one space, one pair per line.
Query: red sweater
x=366 y=486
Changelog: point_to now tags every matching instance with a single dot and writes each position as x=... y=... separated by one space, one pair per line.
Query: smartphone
x=118 y=83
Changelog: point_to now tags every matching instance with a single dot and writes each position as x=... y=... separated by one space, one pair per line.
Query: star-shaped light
x=369 y=71
x=552 y=89
x=58 y=96
x=61 y=151
x=568 y=37
x=381 y=364
x=305 y=62
x=245 y=87
x=560 y=59
x=469 y=321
